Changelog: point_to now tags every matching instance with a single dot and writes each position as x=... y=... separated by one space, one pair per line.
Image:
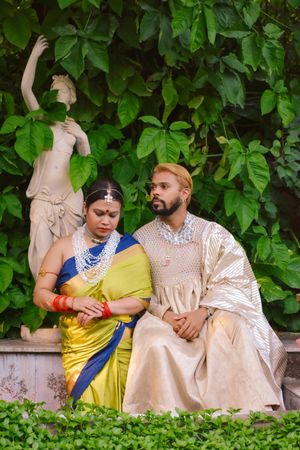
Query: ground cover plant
x=29 y=426
x=211 y=84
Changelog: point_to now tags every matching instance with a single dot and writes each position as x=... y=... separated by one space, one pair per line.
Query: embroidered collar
x=183 y=236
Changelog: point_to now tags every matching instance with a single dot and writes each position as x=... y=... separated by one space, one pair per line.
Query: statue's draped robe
x=86 y=348
x=55 y=210
x=237 y=360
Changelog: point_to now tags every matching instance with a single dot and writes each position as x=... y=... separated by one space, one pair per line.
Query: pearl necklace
x=183 y=236
x=93 y=268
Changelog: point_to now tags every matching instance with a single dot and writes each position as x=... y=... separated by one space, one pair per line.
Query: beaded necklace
x=93 y=268
x=183 y=236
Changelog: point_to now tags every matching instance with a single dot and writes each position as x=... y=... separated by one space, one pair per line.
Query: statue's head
x=66 y=89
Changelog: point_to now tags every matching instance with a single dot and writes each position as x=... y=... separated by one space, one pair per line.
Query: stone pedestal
x=32 y=371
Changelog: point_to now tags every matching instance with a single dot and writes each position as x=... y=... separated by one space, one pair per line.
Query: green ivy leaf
x=181 y=20
x=13 y=205
x=270 y=290
x=3 y=243
x=237 y=166
x=4 y=301
x=6 y=276
x=147 y=142
x=17 y=29
x=233 y=88
x=80 y=170
x=128 y=108
x=263 y=247
x=268 y=101
x=231 y=201
x=258 y=170
x=95 y=3
x=291 y=305
x=64 y=45
x=11 y=123
x=290 y=274
x=167 y=149
x=33 y=317
x=170 y=97
x=123 y=170
x=17 y=299
x=30 y=140
x=179 y=125
x=132 y=218
x=231 y=60
x=97 y=54
x=273 y=53
x=116 y=6
x=74 y=62
x=152 y=120
x=149 y=25
x=251 y=51
x=280 y=253
x=251 y=13
x=246 y=212
x=65 y=3
x=211 y=24
x=198 y=34
x=285 y=109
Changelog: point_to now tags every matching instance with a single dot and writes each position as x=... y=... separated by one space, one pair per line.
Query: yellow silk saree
x=96 y=356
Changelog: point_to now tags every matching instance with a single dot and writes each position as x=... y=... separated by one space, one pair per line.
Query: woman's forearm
x=128 y=305
x=43 y=298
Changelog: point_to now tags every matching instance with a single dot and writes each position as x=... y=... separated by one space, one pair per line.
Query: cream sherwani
x=237 y=360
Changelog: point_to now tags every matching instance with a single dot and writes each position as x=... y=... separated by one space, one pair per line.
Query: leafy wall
x=211 y=84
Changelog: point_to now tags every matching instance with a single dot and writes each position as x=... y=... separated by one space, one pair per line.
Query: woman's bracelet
x=59 y=303
x=107 y=312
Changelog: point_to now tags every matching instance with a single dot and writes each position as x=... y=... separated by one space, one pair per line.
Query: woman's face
x=102 y=218
x=63 y=94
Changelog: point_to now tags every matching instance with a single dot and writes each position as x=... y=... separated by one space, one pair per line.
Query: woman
x=56 y=210
x=103 y=280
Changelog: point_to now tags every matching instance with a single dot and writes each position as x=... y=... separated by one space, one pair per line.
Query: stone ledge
x=20 y=346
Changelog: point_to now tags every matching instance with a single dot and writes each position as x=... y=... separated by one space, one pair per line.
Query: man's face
x=166 y=194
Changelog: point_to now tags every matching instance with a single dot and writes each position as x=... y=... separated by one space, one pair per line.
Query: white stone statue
x=56 y=210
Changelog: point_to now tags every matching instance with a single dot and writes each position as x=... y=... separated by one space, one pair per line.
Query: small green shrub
x=29 y=426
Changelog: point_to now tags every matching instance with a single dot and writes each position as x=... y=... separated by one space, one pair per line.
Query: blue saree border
x=98 y=360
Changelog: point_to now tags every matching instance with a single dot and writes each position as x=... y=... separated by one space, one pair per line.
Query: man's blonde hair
x=182 y=175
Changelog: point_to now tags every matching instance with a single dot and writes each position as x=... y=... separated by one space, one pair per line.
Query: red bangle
x=107 y=312
x=64 y=307
x=56 y=301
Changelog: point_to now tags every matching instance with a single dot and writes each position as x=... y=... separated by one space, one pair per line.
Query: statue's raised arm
x=56 y=210
x=29 y=73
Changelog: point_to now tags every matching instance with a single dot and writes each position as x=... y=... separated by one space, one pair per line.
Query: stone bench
x=291 y=382
x=34 y=371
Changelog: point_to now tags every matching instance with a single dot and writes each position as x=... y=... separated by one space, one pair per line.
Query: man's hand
x=169 y=317
x=194 y=321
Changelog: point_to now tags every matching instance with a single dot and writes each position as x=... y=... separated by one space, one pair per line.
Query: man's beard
x=165 y=211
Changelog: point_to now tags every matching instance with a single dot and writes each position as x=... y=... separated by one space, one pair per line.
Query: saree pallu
x=96 y=357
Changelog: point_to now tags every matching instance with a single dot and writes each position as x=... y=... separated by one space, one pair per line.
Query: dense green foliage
x=211 y=84
x=28 y=426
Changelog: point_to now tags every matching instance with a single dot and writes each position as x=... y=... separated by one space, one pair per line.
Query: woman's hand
x=84 y=319
x=40 y=46
x=88 y=305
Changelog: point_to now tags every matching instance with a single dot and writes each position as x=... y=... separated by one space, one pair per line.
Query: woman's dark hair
x=101 y=188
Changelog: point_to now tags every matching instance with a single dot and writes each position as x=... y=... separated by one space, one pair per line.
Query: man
x=205 y=342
